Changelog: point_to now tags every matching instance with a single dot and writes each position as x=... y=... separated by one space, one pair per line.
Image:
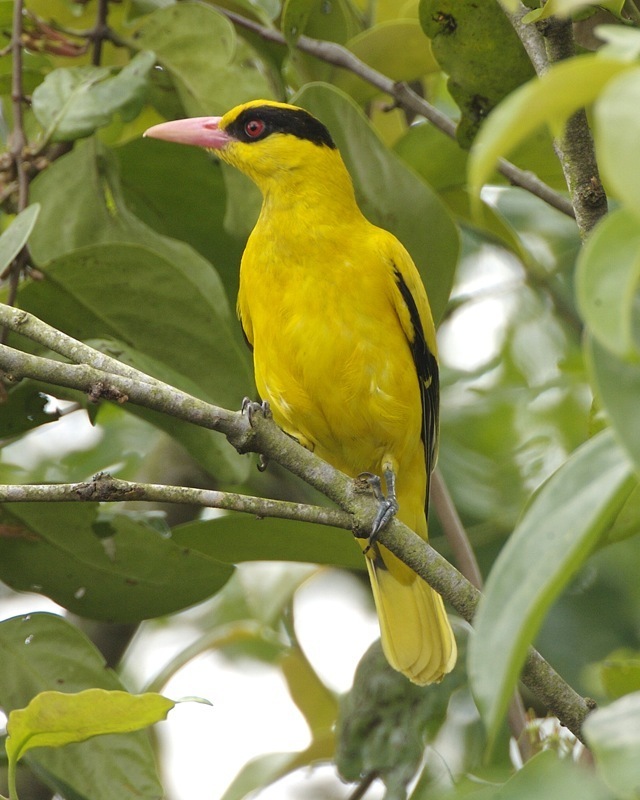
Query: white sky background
x=203 y=747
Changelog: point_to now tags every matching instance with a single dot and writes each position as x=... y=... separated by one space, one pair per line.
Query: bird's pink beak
x=200 y=131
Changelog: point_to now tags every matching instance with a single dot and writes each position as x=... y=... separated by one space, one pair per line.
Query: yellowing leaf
x=53 y=719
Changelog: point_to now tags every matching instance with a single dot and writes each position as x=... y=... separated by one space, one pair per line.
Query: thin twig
x=103 y=488
x=18 y=139
x=363 y=787
x=454 y=530
x=18 y=144
x=100 y=32
x=404 y=96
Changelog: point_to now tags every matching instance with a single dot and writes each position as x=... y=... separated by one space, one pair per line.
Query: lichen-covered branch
x=548 y=42
x=258 y=433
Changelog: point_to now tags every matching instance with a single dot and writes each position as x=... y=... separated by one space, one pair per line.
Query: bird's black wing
x=428 y=377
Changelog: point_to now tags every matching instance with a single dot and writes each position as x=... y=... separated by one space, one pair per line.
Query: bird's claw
x=251 y=407
x=387 y=504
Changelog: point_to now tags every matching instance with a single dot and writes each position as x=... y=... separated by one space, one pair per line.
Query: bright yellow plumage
x=340 y=326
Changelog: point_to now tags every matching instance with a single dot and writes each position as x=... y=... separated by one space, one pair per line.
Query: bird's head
x=264 y=139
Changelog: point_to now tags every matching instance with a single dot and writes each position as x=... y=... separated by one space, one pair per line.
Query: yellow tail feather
x=416 y=635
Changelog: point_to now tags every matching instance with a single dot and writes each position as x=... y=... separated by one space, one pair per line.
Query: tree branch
x=258 y=433
x=546 y=43
x=18 y=144
x=100 y=32
x=404 y=96
x=103 y=488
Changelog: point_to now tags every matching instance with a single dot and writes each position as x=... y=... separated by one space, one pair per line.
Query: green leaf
x=617 y=385
x=54 y=719
x=621 y=42
x=548 y=100
x=398 y=48
x=41 y=652
x=123 y=291
x=547 y=775
x=72 y=103
x=613 y=733
x=608 y=280
x=558 y=531
x=234 y=538
x=262 y=771
x=191 y=209
x=23 y=409
x=385 y=720
x=259 y=773
x=317 y=703
x=112 y=567
x=620 y=673
x=111 y=276
x=336 y=21
x=15 y=237
x=565 y=8
x=617 y=122
x=389 y=193
x=199 y=49
x=477 y=47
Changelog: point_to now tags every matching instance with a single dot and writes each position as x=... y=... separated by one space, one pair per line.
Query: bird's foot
x=387 y=504
x=251 y=408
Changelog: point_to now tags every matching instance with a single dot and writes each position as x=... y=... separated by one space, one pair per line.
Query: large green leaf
x=199 y=49
x=191 y=209
x=390 y=194
x=613 y=733
x=112 y=567
x=107 y=290
x=72 y=103
x=608 y=282
x=548 y=100
x=559 y=529
x=42 y=652
x=617 y=385
x=240 y=537
x=110 y=275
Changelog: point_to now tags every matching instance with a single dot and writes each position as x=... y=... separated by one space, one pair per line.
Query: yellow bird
x=343 y=342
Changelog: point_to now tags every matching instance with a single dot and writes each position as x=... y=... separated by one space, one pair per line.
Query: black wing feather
x=428 y=377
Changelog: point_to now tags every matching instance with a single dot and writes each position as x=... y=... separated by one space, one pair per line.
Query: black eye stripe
x=280 y=120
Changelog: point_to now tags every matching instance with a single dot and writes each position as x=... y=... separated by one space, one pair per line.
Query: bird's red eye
x=254 y=128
